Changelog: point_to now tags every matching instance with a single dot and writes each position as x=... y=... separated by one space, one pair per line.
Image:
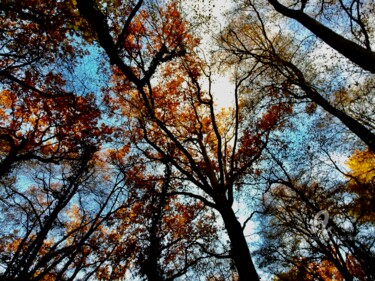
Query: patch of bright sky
x=213 y=10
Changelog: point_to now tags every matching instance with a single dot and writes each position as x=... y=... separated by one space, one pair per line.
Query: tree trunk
x=359 y=55
x=239 y=248
x=352 y=124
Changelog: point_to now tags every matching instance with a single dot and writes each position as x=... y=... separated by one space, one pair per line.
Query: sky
x=222 y=87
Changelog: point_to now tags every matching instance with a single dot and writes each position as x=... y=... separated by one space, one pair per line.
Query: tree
x=188 y=134
x=309 y=228
x=173 y=237
x=34 y=36
x=41 y=118
x=302 y=271
x=44 y=121
x=47 y=129
x=281 y=62
x=155 y=194
x=356 y=48
x=361 y=184
x=280 y=68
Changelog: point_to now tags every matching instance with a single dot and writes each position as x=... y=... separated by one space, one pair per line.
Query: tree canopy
x=117 y=163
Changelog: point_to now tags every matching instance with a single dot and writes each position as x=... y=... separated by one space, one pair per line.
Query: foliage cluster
x=145 y=177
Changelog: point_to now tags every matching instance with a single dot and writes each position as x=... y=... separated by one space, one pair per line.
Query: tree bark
x=357 y=128
x=239 y=248
x=352 y=124
x=356 y=53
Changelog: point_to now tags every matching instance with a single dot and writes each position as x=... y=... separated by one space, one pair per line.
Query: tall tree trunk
x=361 y=56
x=352 y=124
x=239 y=248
